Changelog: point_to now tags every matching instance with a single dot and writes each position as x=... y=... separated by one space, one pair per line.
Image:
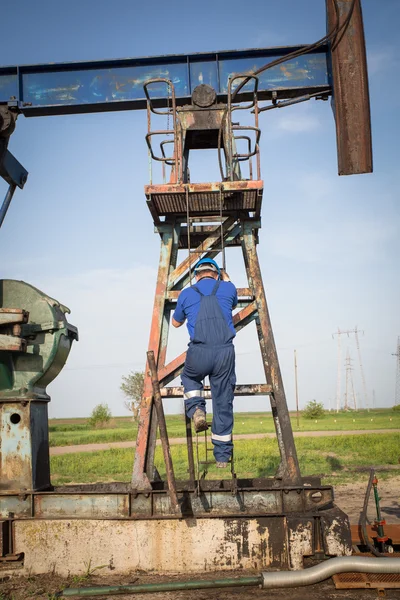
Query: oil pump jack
x=274 y=521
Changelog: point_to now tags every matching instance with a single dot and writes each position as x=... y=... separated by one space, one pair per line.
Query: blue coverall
x=212 y=353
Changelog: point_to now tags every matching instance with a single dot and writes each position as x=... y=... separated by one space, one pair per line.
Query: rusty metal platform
x=205 y=198
x=253 y=497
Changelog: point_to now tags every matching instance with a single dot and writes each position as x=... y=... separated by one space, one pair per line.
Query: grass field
x=67 y=432
x=329 y=456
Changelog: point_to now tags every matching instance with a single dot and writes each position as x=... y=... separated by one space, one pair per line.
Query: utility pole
x=361 y=368
x=297 y=391
x=397 y=391
x=373 y=399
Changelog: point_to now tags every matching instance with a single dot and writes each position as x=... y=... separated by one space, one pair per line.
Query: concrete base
x=161 y=546
x=165 y=545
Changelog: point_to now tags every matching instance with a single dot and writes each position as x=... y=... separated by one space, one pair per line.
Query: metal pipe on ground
x=115 y=590
x=267 y=580
x=324 y=570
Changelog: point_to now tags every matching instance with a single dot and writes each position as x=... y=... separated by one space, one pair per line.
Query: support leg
x=289 y=470
x=146 y=438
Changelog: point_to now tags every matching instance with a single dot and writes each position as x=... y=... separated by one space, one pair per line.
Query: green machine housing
x=35 y=341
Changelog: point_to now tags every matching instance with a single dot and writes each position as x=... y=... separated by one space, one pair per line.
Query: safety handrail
x=231 y=156
x=174 y=161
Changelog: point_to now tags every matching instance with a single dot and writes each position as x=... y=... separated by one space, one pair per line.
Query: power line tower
x=348 y=332
x=339 y=371
x=356 y=331
x=397 y=392
x=349 y=383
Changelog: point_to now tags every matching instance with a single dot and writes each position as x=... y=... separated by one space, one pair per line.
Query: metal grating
x=203 y=202
x=368 y=580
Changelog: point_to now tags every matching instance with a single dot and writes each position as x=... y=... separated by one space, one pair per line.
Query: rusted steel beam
x=169 y=467
x=243 y=294
x=289 y=469
x=350 y=90
x=173 y=368
x=196 y=188
x=210 y=242
x=229 y=236
x=250 y=389
x=245 y=316
x=145 y=443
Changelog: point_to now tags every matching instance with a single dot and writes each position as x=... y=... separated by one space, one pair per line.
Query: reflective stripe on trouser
x=219 y=364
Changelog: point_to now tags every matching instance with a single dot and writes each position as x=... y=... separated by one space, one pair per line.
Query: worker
x=207 y=307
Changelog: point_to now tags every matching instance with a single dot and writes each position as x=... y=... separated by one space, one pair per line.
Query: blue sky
x=81 y=231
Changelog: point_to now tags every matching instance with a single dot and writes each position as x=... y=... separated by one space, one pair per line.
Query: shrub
x=396 y=407
x=100 y=416
x=314 y=410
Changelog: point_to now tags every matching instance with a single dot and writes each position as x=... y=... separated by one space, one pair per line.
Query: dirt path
x=350 y=498
x=56 y=451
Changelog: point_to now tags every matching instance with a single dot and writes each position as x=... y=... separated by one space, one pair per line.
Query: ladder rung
x=202 y=251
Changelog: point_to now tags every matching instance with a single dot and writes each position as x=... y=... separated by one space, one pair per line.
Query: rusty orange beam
x=351 y=104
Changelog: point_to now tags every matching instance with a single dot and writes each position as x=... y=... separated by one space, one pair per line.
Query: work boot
x=221 y=465
x=199 y=420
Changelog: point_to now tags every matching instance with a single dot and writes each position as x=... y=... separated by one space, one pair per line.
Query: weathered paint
x=118 y=84
x=336 y=533
x=25 y=463
x=66 y=546
x=146 y=436
x=300 y=541
x=350 y=91
x=164 y=199
x=289 y=468
x=215 y=499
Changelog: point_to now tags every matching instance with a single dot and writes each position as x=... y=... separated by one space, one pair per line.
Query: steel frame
x=288 y=504
x=170 y=280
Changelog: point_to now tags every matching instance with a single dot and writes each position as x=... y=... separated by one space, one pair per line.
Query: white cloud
x=381 y=59
x=297 y=123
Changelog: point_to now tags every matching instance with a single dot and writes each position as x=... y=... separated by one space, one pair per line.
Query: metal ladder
x=204 y=463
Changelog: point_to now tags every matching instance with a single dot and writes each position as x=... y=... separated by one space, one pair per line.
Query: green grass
x=330 y=456
x=77 y=431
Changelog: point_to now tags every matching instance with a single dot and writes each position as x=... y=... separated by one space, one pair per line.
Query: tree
x=314 y=410
x=132 y=387
x=100 y=416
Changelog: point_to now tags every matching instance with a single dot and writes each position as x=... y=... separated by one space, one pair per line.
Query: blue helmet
x=207 y=262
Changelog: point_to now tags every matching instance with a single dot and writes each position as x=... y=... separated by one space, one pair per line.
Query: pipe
x=343 y=564
x=7 y=202
x=115 y=590
x=363 y=517
x=277 y=579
